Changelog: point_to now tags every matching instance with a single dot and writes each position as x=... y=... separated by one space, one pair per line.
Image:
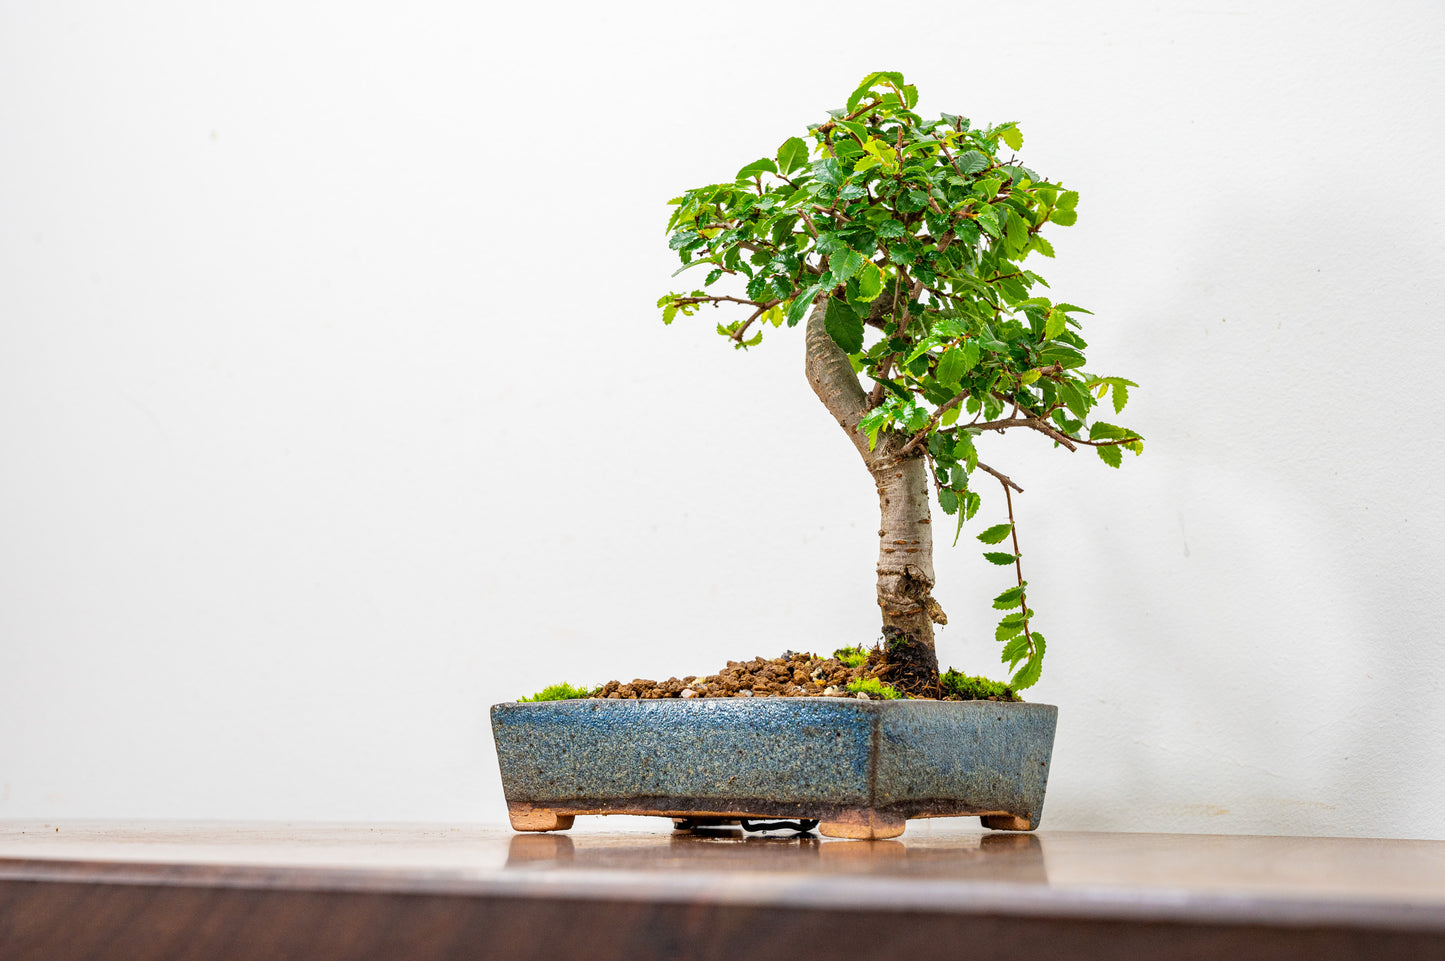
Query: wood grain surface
x=315 y=892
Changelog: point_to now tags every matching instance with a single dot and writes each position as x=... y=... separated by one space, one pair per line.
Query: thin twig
x=875 y=396
x=917 y=438
x=1005 y=481
x=1018 y=569
x=737 y=335
x=715 y=298
x=827 y=127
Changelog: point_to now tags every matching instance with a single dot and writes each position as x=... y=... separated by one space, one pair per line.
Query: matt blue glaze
x=910 y=757
x=994 y=754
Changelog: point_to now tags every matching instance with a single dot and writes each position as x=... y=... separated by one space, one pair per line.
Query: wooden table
x=217 y=891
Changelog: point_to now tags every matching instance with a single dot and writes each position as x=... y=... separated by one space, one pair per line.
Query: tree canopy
x=912 y=234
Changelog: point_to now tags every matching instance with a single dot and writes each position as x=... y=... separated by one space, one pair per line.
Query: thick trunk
x=905 y=534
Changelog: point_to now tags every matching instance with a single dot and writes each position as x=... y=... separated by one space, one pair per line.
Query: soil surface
x=792 y=675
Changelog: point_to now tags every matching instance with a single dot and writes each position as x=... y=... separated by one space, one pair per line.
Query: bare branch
x=1109 y=443
x=1001 y=478
x=809 y=221
x=1043 y=427
x=827 y=127
x=875 y=397
x=832 y=212
x=716 y=298
x=917 y=438
x=737 y=335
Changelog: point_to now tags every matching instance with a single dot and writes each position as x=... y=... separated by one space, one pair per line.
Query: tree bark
x=905 y=534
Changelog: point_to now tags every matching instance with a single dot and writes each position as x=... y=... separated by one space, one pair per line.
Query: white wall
x=334 y=407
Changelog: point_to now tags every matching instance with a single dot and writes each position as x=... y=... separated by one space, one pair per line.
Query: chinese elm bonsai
x=900 y=245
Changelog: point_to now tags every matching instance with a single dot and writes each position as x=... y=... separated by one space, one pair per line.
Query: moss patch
x=560 y=692
x=874 y=688
x=962 y=687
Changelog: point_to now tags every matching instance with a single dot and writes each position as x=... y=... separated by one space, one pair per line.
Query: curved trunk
x=905 y=534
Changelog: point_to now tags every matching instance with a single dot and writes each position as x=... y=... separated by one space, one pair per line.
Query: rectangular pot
x=862 y=768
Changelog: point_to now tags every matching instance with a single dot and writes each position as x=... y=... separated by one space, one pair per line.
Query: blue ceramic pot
x=862 y=768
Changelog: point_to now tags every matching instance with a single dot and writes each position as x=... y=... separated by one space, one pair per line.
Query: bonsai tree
x=900 y=245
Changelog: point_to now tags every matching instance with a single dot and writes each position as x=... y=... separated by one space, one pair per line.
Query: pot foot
x=538 y=819
x=862 y=825
x=1006 y=822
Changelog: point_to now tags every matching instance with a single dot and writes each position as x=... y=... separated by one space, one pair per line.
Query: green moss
x=974 y=688
x=851 y=656
x=560 y=692
x=874 y=688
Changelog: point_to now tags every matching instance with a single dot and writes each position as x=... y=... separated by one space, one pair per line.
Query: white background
x=334 y=407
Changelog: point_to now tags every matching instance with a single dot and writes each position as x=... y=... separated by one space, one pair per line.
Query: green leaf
x=971 y=161
x=893 y=388
x=947 y=500
x=1017 y=231
x=870 y=282
x=695 y=263
x=1012 y=136
x=683 y=238
x=1007 y=629
x=844 y=264
x=856 y=97
x=1013 y=597
x=950 y=367
x=917 y=418
x=1102 y=431
x=1000 y=558
x=828 y=171
x=923 y=347
x=1015 y=650
x=964 y=450
x=971 y=351
x=1029 y=674
x=844 y=326
x=1075 y=398
x=1043 y=246
x=988 y=220
x=871 y=422
x=801 y=303
x=1068 y=200
x=866 y=163
x=792 y=154
x=1064 y=218
x=757 y=167
x=1062 y=354
x=1120 y=395
x=947 y=327
x=1054 y=324
x=1017 y=617
x=995 y=534
x=889 y=228
x=1110 y=456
